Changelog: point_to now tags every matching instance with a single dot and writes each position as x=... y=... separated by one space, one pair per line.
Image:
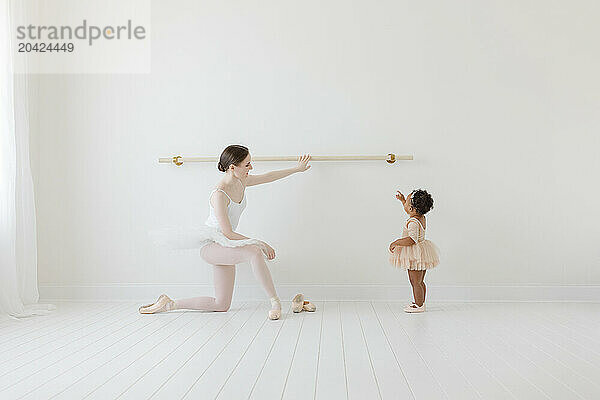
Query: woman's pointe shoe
x=164 y=303
x=308 y=306
x=275 y=311
x=274 y=314
x=297 y=303
x=148 y=305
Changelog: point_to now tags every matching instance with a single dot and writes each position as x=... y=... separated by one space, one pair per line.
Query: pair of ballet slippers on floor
x=299 y=304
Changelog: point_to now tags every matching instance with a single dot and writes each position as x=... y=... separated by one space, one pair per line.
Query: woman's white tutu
x=195 y=238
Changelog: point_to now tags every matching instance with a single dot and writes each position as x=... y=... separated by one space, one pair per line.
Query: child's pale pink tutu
x=420 y=256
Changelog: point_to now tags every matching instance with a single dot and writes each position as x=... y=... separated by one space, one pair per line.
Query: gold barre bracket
x=390 y=158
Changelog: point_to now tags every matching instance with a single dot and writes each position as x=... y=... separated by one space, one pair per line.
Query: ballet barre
x=389 y=158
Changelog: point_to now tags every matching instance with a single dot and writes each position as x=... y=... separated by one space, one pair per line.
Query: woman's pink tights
x=224 y=260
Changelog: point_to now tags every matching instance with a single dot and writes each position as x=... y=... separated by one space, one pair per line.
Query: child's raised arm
x=400 y=197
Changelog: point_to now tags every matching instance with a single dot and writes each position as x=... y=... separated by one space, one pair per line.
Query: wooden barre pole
x=390 y=158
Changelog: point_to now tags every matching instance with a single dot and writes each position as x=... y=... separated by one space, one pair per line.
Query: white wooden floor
x=344 y=350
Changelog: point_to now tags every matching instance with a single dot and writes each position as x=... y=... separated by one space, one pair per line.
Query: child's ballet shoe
x=413 y=308
x=308 y=306
x=297 y=303
x=274 y=314
x=164 y=303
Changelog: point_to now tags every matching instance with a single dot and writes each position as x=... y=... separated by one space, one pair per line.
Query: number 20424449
x=45 y=47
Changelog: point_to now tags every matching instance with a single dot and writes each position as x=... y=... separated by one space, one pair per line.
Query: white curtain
x=18 y=251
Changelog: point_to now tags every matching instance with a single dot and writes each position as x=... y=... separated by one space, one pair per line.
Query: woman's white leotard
x=234 y=211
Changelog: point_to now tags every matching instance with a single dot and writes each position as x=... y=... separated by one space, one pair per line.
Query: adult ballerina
x=220 y=244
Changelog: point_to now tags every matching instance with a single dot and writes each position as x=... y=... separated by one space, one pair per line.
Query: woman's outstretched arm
x=272 y=176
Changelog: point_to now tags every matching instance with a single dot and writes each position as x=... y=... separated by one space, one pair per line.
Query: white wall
x=498 y=101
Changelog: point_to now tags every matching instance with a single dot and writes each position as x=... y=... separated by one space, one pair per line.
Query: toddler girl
x=412 y=251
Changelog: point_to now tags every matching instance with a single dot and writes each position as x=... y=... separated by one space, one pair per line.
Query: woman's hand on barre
x=268 y=250
x=303 y=163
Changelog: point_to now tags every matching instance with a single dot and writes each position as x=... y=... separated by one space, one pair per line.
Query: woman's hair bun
x=233 y=154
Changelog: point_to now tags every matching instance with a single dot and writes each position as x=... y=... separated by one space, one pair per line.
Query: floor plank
x=331 y=375
x=362 y=382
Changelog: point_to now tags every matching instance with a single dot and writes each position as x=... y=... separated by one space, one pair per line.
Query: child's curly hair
x=421 y=201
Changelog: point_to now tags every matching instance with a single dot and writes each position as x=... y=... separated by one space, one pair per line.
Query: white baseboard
x=119 y=292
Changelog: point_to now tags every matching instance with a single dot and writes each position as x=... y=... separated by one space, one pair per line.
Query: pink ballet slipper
x=298 y=303
x=308 y=306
